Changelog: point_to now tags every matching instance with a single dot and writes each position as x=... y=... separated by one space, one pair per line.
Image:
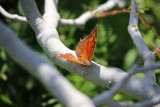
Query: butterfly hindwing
x=70 y=57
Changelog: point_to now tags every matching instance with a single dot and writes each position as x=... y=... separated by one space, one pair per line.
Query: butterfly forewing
x=81 y=49
x=91 y=44
x=85 y=48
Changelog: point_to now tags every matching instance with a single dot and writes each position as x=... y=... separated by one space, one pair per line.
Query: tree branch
x=48 y=38
x=154 y=102
x=103 y=76
x=81 y=20
x=12 y=16
x=148 y=103
x=146 y=54
x=34 y=17
x=107 y=97
x=50 y=13
x=42 y=69
x=138 y=42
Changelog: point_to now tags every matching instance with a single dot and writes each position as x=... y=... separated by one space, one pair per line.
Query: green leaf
x=4 y=77
x=130 y=57
x=3 y=55
x=6 y=99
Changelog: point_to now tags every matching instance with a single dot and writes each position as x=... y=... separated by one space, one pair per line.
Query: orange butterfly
x=84 y=50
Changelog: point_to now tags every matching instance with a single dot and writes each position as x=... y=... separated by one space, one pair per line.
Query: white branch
x=12 y=16
x=51 y=15
x=40 y=67
x=103 y=76
x=149 y=67
x=48 y=38
x=44 y=28
x=35 y=19
x=154 y=102
x=81 y=20
x=133 y=29
x=106 y=97
x=148 y=103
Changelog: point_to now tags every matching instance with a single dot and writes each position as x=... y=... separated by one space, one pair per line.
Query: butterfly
x=84 y=50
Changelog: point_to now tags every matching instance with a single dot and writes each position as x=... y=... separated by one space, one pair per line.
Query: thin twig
x=12 y=16
x=144 y=51
x=81 y=20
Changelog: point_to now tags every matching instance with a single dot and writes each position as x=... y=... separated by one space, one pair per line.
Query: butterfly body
x=84 y=61
x=84 y=50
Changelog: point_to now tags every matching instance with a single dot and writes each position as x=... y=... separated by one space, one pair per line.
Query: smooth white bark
x=41 y=68
x=48 y=38
x=103 y=76
x=146 y=54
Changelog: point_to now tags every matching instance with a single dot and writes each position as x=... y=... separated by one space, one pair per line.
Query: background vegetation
x=114 y=49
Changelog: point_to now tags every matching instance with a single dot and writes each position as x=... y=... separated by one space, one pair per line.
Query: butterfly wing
x=69 y=57
x=85 y=48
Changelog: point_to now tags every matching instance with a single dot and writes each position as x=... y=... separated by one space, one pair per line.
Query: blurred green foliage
x=114 y=48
